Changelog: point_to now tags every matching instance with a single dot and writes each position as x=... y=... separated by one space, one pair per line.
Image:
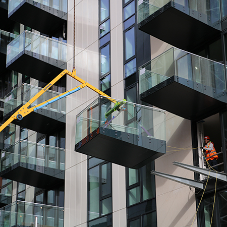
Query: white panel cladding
x=175 y=200
x=87 y=68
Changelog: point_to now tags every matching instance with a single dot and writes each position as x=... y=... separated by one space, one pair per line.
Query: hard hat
x=207 y=137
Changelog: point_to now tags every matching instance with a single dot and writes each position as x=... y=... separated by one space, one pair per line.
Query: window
x=130 y=68
x=105 y=60
x=129 y=43
x=21 y=189
x=140 y=184
x=104 y=28
x=104 y=9
x=99 y=188
x=105 y=83
x=129 y=10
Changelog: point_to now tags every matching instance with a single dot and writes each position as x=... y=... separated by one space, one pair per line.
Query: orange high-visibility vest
x=211 y=155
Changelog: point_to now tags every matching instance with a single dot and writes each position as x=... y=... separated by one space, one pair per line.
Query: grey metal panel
x=211 y=173
x=185 y=181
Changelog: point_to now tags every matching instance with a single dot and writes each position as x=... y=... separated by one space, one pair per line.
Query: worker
x=211 y=154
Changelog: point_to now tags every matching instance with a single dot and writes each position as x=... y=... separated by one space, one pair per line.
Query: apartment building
x=71 y=163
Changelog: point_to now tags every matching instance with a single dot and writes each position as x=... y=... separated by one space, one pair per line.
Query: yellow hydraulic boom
x=24 y=110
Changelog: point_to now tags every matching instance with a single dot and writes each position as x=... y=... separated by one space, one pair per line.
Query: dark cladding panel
x=185 y=98
x=121 y=148
x=37 y=176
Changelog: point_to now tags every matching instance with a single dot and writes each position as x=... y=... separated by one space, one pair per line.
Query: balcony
x=34 y=164
x=49 y=15
x=6 y=23
x=185 y=84
x=181 y=23
x=47 y=119
x=132 y=137
x=37 y=56
x=5 y=39
x=25 y=214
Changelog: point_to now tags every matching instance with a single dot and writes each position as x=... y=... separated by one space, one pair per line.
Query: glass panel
x=104 y=9
x=106 y=179
x=134 y=196
x=133 y=176
x=104 y=28
x=107 y=206
x=224 y=8
x=105 y=83
x=105 y=39
x=185 y=65
x=223 y=208
x=129 y=22
x=135 y=223
x=93 y=193
x=130 y=68
x=56 y=4
x=149 y=220
x=105 y=59
x=210 y=10
x=208 y=208
x=129 y=43
x=129 y=10
x=132 y=120
x=51 y=197
x=5 y=39
x=101 y=222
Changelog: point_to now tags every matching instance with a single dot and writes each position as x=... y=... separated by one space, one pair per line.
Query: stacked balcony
x=132 y=136
x=185 y=84
x=181 y=23
x=6 y=23
x=5 y=39
x=41 y=15
x=47 y=119
x=37 y=56
x=34 y=164
x=26 y=214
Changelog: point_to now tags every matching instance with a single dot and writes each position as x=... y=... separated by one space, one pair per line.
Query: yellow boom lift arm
x=24 y=110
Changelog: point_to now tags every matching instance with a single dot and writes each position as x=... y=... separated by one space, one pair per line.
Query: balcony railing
x=37 y=162
x=134 y=125
x=34 y=54
x=198 y=77
x=184 y=65
x=211 y=13
x=31 y=214
x=25 y=92
x=6 y=194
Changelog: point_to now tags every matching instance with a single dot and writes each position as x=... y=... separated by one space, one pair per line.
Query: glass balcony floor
x=46 y=20
x=131 y=137
x=179 y=26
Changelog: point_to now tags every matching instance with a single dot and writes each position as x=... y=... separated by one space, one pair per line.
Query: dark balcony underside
x=185 y=98
x=179 y=26
x=37 y=176
x=2 y=61
x=121 y=148
x=36 y=66
x=6 y=24
x=5 y=200
x=46 y=20
x=43 y=121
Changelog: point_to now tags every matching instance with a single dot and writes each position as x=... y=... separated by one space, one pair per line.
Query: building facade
x=59 y=165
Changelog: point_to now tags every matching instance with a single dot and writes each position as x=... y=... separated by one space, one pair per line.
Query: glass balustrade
x=39 y=44
x=33 y=154
x=25 y=92
x=184 y=65
x=131 y=118
x=24 y=214
x=5 y=39
x=210 y=9
x=60 y=5
x=6 y=193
